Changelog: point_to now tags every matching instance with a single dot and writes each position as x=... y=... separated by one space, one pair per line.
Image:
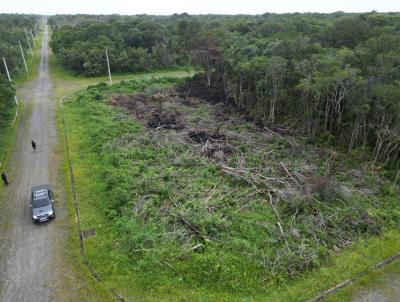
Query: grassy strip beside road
x=91 y=290
x=8 y=136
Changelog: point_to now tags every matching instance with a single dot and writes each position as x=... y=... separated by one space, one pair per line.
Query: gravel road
x=31 y=256
x=387 y=289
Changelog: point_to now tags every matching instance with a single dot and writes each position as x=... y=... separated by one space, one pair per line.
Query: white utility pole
x=108 y=65
x=29 y=44
x=23 y=56
x=9 y=78
x=33 y=39
x=5 y=65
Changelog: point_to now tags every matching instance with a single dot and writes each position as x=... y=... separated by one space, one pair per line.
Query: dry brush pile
x=210 y=190
x=198 y=195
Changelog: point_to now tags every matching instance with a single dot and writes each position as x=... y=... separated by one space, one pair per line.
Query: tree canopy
x=12 y=30
x=326 y=75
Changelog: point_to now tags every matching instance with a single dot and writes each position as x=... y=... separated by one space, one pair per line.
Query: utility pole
x=29 y=44
x=5 y=65
x=9 y=78
x=23 y=56
x=33 y=39
x=108 y=65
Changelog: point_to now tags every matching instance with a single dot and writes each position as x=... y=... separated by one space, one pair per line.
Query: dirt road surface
x=387 y=289
x=31 y=256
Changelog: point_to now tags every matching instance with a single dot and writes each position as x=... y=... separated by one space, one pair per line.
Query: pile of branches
x=211 y=144
x=283 y=186
x=155 y=110
x=322 y=208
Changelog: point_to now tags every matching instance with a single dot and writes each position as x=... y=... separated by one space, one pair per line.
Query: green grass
x=59 y=71
x=66 y=82
x=90 y=289
x=7 y=132
x=116 y=160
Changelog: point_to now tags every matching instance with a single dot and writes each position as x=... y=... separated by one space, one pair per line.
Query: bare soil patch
x=154 y=110
x=196 y=121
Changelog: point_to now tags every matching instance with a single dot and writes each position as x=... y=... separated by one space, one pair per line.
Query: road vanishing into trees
x=32 y=257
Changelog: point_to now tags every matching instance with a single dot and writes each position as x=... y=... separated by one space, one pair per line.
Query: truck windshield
x=38 y=203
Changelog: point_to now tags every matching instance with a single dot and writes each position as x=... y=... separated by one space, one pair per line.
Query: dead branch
x=276 y=213
x=328 y=164
x=141 y=250
x=191 y=227
x=254 y=178
x=289 y=174
x=196 y=247
x=280 y=229
x=159 y=128
x=238 y=173
x=187 y=95
x=212 y=192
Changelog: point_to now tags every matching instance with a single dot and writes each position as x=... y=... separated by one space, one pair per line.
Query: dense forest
x=133 y=43
x=12 y=30
x=332 y=77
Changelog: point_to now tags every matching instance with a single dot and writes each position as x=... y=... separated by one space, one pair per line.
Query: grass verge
x=8 y=137
x=89 y=289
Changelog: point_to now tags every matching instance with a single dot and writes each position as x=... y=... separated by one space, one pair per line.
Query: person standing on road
x=4 y=177
x=33 y=145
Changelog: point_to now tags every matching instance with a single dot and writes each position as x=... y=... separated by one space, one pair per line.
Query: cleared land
x=184 y=198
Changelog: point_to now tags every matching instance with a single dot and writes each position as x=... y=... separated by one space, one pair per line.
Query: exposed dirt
x=153 y=110
x=199 y=115
x=212 y=144
x=32 y=257
x=173 y=109
x=202 y=136
x=197 y=89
